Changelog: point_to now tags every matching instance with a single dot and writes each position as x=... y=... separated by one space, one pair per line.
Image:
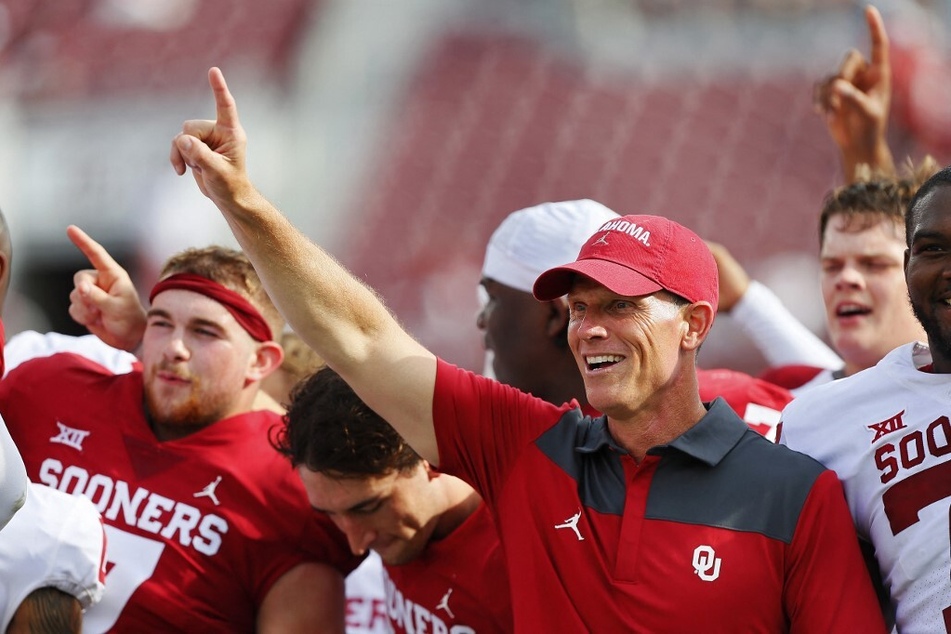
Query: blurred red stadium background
x=698 y=111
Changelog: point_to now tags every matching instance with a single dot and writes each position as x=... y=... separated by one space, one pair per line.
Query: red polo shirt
x=720 y=530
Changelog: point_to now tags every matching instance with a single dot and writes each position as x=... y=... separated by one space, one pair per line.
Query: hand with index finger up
x=104 y=299
x=214 y=150
x=856 y=100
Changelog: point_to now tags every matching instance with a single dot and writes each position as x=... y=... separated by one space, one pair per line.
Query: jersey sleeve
x=294 y=534
x=791 y=377
x=759 y=403
x=56 y=541
x=828 y=588
x=13 y=480
x=31 y=344
x=482 y=426
x=777 y=334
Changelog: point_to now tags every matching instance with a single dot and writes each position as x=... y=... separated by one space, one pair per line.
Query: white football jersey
x=13 y=480
x=821 y=378
x=886 y=432
x=56 y=540
x=366 y=599
x=30 y=344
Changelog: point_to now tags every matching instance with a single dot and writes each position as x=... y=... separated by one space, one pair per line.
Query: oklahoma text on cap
x=639 y=255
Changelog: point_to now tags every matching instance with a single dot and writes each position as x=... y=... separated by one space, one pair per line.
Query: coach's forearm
x=341 y=318
x=330 y=309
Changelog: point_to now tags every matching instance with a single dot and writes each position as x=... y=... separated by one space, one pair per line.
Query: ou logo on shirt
x=706 y=564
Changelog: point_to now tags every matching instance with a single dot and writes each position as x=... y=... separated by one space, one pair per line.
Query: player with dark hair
x=886 y=432
x=443 y=564
x=661 y=515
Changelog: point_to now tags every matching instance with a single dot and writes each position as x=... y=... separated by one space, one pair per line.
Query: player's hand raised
x=215 y=150
x=855 y=102
x=104 y=299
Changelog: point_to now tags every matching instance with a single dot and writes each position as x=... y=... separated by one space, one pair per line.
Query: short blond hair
x=230 y=268
x=875 y=196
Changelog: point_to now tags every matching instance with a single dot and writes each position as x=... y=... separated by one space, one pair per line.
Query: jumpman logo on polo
x=69 y=436
x=572 y=523
x=601 y=240
x=444 y=604
x=209 y=491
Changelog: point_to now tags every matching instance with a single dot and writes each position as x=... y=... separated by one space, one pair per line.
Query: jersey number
x=905 y=499
x=130 y=560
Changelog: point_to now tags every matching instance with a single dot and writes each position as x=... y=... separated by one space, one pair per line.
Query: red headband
x=244 y=312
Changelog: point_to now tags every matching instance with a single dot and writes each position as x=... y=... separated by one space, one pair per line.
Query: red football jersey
x=759 y=403
x=458 y=584
x=198 y=529
x=800 y=378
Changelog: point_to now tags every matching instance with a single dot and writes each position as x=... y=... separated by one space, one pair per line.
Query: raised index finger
x=94 y=252
x=227 y=109
x=876 y=29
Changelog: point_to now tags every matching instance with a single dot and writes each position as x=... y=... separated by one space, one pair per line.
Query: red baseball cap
x=639 y=255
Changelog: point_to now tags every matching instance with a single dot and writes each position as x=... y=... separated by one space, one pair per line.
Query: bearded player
x=208 y=527
x=887 y=434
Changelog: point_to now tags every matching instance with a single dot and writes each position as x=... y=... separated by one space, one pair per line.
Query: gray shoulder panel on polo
x=598 y=472
x=719 y=473
x=758 y=487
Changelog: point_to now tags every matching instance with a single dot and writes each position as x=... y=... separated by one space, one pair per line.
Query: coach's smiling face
x=630 y=350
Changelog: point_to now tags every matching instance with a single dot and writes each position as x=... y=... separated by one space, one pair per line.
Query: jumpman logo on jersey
x=601 y=240
x=69 y=436
x=572 y=523
x=444 y=604
x=209 y=491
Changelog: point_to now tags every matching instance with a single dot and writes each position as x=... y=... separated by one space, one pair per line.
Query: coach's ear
x=267 y=359
x=698 y=319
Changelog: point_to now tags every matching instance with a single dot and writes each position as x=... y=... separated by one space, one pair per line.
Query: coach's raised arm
x=331 y=310
x=622 y=519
